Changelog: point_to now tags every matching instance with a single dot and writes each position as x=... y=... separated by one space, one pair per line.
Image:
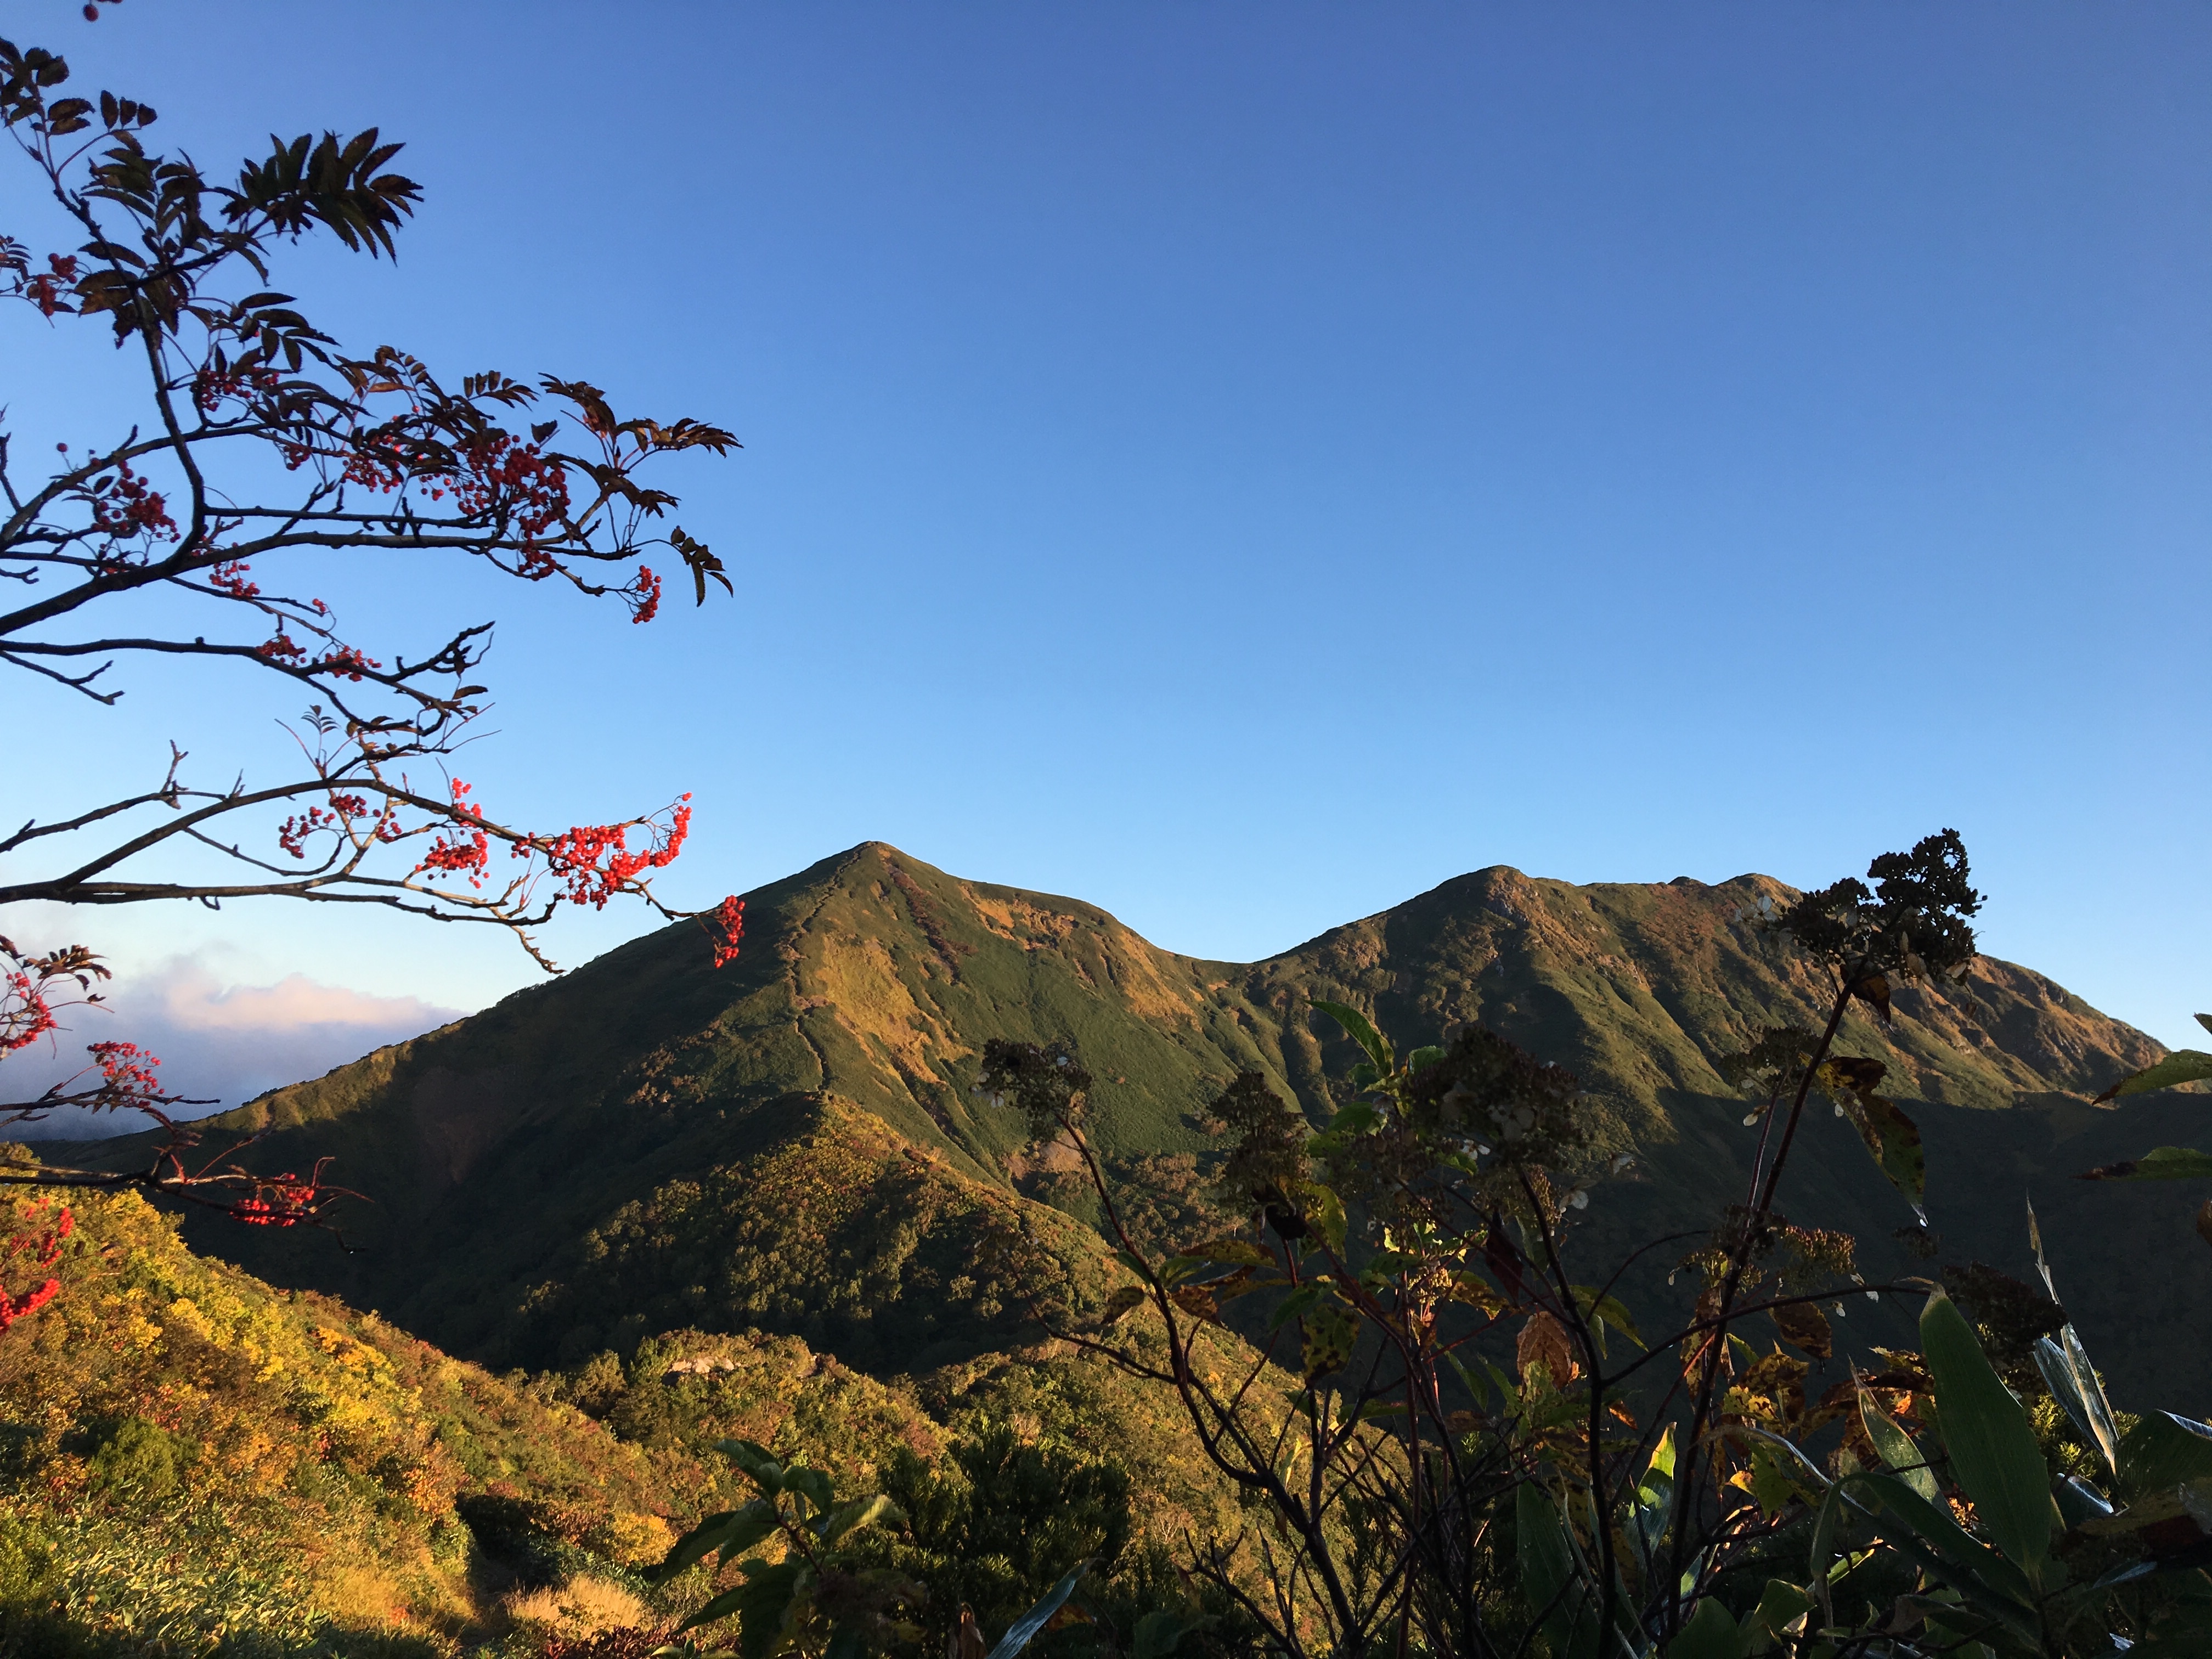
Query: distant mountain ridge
x=501 y=1148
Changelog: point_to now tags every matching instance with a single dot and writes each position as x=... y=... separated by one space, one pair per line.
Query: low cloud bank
x=224 y=1043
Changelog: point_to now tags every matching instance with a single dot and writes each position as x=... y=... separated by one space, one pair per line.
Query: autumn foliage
x=377 y=456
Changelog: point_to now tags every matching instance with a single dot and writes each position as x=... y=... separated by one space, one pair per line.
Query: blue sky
x=1244 y=465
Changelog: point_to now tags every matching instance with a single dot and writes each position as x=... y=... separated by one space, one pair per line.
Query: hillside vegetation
x=193 y=1460
x=684 y=1204
x=610 y=1124
x=189 y=1453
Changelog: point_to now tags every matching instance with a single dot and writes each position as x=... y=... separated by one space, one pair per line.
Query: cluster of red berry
x=43 y=1249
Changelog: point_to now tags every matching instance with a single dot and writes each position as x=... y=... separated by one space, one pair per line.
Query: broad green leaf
x=2086 y=1406
x=1779 y=1606
x=1805 y=1327
x=730 y=1534
x=1243 y=1282
x=1894 y=1141
x=1602 y=1309
x=2182 y=1065
x=2079 y=1502
x=1547 y=1575
x=1428 y=1055
x=1897 y=1447
x=860 y=1512
x=1825 y=1520
x=2188 y=1503
x=1610 y=1310
x=2190 y=1644
x=760 y=1603
x=1771 y=1481
x=1656 y=1488
x=1947 y=1550
x=1329 y=1335
x=2035 y=1244
x=2161 y=1164
x=1477 y=1292
x=764 y=1606
x=1325 y=1214
x=1466 y=1378
x=1018 y=1635
x=696 y=1545
x=1123 y=1303
x=1991 y=1447
x=1711 y=1634
x=1231 y=1252
x=1157 y=1632
x=1509 y=1391
x=2093 y=1394
x=1177 y=1268
x=812 y=1484
x=1295 y=1305
x=1655 y=1496
x=1356 y=1027
x=2164 y=1451
x=1384 y=1264
x=756 y=1460
x=721 y=1607
x=1356 y=1119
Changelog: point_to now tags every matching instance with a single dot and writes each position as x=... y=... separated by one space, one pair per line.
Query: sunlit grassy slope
x=649 y=1120
x=192 y=1461
x=189 y=1453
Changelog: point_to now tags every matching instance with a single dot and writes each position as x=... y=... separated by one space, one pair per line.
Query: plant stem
x=1701 y=1410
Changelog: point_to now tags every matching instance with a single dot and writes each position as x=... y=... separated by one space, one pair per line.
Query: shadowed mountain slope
x=648 y=1085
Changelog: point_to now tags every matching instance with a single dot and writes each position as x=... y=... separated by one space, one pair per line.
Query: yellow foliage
x=186 y=1312
x=319 y=1455
x=354 y=1354
x=631 y=1539
x=582 y=1606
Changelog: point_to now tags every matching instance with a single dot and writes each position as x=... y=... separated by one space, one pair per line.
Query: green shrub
x=137 y=1461
x=26 y=1559
x=998 y=1523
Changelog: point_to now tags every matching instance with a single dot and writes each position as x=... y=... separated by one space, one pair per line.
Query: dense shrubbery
x=840 y=1232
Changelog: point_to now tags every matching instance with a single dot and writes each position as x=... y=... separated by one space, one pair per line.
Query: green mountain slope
x=622 y=1132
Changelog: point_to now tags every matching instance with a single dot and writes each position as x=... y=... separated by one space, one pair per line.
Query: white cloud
x=222 y=1042
x=192 y=1001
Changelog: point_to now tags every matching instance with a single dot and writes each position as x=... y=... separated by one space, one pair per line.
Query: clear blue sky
x=1243 y=464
